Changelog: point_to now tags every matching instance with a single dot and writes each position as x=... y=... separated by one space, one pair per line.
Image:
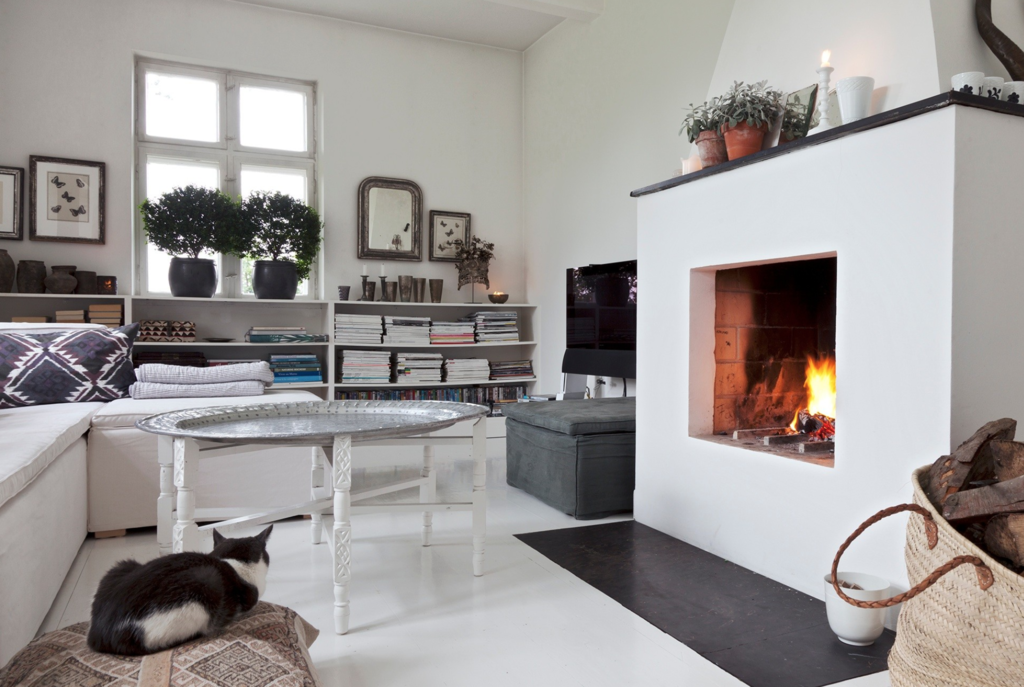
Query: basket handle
x=985 y=578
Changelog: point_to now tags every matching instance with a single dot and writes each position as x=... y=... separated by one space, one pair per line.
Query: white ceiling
x=511 y=24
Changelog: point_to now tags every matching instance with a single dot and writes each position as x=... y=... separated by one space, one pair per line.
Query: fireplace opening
x=775 y=370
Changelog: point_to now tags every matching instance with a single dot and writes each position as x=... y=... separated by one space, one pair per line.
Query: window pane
x=182 y=107
x=272 y=118
x=163 y=175
x=291 y=182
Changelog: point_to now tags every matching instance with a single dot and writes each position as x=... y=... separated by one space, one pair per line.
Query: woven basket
x=961 y=625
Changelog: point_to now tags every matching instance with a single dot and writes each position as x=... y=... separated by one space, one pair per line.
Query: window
x=235 y=132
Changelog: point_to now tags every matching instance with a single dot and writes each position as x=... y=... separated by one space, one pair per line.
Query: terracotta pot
x=743 y=139
x=31 y=274
x=61 y=279
x=6 y=272
x=711 y=149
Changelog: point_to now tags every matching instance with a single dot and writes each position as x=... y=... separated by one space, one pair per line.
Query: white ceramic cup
x=969 y=82
x=856 y=626
x=1013 y=92
x=855 y=97
x=993 y=87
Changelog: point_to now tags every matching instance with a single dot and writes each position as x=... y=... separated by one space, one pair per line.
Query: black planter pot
x=192 y=277
x=275 y=279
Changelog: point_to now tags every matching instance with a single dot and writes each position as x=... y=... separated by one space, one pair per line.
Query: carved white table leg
x=342 y=533
x=186 y=470
x=428 y=491
x=165 y=502
x=479 y=495
x=316 y=481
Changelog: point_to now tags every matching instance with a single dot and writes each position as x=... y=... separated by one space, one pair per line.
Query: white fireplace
x=924 y=219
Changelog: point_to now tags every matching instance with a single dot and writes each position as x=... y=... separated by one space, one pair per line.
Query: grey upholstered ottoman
x=576 y=456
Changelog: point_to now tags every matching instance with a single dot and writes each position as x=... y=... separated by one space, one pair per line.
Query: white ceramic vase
x=969 y=82
x=993 y=87
x=853 y=625
x=855 y=97
x=1013 y=92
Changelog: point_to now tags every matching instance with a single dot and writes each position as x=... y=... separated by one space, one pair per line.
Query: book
x=113 y=307
x=285 y=338
x=30 y=319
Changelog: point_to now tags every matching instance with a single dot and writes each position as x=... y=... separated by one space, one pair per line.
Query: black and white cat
x=145 y=608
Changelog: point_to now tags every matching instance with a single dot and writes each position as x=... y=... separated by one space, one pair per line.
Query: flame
x=820 y=383
x=825 y=57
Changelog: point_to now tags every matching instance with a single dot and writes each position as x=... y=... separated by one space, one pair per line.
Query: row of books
x=480 y=327
x=365 y=367
x=494 y=397
x=358 y=329
x=109 y=314
x=300 y=368
x=415 y=331
x=282 y=335
x=409 y=367
x=495 y=326
x=418 y=368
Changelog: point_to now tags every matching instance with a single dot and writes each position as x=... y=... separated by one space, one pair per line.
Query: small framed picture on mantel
x=445 y=228
x=11 y=196
x=66 y=200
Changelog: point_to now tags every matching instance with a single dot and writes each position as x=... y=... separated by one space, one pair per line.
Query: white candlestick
x=824 y=104
x=382 y=272
x=366 y=271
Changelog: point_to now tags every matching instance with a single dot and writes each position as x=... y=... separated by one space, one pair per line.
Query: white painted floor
x=419 y=617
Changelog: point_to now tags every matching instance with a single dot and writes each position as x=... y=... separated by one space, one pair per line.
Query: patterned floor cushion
x=267 y=646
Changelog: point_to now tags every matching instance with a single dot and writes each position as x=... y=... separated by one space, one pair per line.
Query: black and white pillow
x=73 y=366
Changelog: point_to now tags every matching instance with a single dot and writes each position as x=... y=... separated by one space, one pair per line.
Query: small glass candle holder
x=106 y=286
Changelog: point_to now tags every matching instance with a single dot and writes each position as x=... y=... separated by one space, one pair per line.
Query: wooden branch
x=974 y=504
x=1004 y=537
x=1006 y=459
x=949 y=474
x=1008 y=52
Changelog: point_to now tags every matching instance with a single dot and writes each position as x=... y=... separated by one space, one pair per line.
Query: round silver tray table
x=331 y=428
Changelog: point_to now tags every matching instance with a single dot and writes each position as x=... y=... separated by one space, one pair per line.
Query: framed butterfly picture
x=445 y=227
x=66 y=200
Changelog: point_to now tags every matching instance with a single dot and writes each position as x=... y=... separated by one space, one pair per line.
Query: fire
x=821 y=389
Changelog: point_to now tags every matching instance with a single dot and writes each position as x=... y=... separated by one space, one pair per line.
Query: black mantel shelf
x=899 y=114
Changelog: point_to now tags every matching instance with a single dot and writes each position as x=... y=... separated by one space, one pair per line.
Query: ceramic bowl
x=498 y=299
x=853 y=625
x=969 y=82
x=993 y=87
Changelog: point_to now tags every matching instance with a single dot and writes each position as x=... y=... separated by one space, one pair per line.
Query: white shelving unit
x=231 y=318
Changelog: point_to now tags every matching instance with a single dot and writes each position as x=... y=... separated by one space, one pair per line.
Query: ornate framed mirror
x=390 y=218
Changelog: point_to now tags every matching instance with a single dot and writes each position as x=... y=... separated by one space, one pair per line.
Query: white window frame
x=228 y=153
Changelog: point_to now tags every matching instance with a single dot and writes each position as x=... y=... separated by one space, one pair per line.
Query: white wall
x=603 y=105
x=447 y=115
x=782 y=41
x=959 y=47
x=882 y=201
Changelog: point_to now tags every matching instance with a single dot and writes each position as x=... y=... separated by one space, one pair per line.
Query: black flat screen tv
x=600 y=320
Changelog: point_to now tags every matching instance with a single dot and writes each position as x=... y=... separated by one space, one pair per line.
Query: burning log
x=817 y=427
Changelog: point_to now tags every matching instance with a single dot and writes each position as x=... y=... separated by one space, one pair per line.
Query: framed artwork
x=445 y=227
x=12 y=195
x=799 y=111
x=66 y=200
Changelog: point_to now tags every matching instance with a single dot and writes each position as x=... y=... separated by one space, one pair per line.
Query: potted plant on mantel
x=472 y=260
x=703 y=126
x=184 y=223
x=283 y=236
x=748 y=111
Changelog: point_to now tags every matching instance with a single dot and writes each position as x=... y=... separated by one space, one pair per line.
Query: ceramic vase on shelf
x=436 y=285
x=31 y=274
x=61 y=279
x=7 y=272
x=711 y=149
x=742 y=140
x=86 y=282
x=971 y=83
x=855 y=97
x=405 y=288
x=419 y=289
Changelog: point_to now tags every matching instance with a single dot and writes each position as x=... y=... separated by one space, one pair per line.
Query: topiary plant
x=273 y=226
x=755 y=104
x=704 y=117
x=187 y=221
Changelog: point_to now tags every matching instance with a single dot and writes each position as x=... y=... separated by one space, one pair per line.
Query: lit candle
x=825 y=57
x=366 y=271
x=382 y=272
x=499 y=293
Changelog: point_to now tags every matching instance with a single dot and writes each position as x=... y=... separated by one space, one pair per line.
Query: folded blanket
x=144 y=390
x=177 y=374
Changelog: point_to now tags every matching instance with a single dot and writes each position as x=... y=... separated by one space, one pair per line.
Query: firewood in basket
x=849 y=585
x=1006 y=459
x=973 y=505
x=1004 y=538
x=949 y=474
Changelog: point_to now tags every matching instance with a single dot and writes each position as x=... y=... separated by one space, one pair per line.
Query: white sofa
x=68 y=469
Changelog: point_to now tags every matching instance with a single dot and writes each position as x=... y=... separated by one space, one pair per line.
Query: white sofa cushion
x=30 y=439
x=125 y=412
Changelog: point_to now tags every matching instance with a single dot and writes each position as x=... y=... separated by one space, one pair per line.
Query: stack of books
x=296 y=369
x=494 y=396
x=231 y=361
x=496 y=326
x=511 y=370
x=416 y=368
x=365 y=367
x=448 y=333
x=467 y=370
x=358 y=329
x=30 y=318
x=109 y=314
x=282 y=335
x=70 y=316
x=187 y=359
x=407 y=330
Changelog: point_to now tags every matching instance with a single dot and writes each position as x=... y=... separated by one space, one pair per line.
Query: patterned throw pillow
x=266 y=647
x=73 y=366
